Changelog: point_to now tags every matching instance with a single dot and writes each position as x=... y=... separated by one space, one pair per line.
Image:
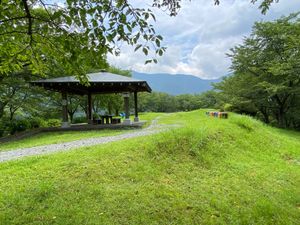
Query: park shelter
x=99 y=83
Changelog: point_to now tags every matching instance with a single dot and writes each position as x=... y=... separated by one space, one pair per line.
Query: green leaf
x=157 y=41
x=153 y=17
x=94 y=22
x=160 y=52
x=159 y=37
x=145 y=50
x=148 y=61
x=137 y=47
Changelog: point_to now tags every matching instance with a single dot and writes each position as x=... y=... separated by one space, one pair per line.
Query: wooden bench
x=115 y=120
x=97 y=121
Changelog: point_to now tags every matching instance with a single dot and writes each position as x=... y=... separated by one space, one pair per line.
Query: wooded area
x=266 y=74
x=40 y=39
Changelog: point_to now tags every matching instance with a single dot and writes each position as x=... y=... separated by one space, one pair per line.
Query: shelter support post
x=89 y=109
x=126 y=108
x=64 y=102
x=136 y=115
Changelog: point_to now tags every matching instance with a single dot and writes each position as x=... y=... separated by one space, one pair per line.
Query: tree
x=240 y=94
x=266 y=70
x=163 y=102
x=38 y=34
x=43 y=35
x=208 y=99
x=112 y=103
x=14 y=92
x=173 y=6
x=73 y=105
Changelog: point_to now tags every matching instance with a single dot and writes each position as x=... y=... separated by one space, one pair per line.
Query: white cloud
x=201 y=35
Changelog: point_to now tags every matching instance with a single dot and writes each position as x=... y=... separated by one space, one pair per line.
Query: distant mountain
x=175 y=84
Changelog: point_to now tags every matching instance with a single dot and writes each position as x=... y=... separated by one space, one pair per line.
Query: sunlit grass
x=56 y=137
x=66 y=136
x=210 y=171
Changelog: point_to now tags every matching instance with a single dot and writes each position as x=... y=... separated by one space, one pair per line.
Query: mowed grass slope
x=66 y=136
x=209 y=171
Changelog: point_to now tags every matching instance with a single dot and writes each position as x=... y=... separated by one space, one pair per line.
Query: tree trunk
x=109 y=108
x=71 y=116
x=266 y=118
x=282 y=109
x=2 y=106
x=1 y=111
x=281 y=118
x=11 y=114
x=265 y=114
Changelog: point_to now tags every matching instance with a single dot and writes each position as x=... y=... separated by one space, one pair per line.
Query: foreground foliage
x=75 y=35
x=210 y=171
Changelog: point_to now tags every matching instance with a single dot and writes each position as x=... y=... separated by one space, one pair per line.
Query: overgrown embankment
x=210 y=171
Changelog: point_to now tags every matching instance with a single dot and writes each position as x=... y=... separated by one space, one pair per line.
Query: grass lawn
x=210 y=171
x=65 y=136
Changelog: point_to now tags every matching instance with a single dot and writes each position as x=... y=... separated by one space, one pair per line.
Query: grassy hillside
x=209 y=171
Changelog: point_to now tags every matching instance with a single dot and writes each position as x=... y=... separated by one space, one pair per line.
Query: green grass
x=148 y=117
x=210 y=171
x=56 y=137
x=65 y=136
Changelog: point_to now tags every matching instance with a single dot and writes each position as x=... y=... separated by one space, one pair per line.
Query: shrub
x=18 y=125
x=228 y=107
x=95 y=116
x=2 y=129
x=1 y=132
x=5 y=126
x=53 y=123
x=81 y=119
x=37 y=122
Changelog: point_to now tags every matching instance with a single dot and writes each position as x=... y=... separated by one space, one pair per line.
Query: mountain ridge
x=175 y=84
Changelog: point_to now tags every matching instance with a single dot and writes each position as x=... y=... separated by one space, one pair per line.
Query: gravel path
x=46 y=149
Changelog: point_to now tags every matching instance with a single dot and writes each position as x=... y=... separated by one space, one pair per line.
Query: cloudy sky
x=200 y=35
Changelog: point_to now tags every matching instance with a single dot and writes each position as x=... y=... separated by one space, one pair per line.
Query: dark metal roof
x=102 y=82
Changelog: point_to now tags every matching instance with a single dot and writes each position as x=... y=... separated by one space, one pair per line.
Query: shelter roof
x=101 y=82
